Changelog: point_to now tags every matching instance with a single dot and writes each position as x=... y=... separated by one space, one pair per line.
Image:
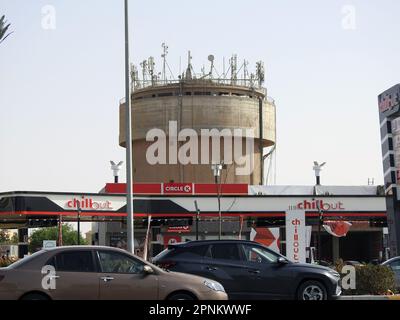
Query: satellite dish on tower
x=211 y=59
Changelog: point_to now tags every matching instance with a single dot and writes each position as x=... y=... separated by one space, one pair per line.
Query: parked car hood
x=309 y=266
x=189 y=276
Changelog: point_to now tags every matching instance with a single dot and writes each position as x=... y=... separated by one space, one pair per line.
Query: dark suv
x=248 y=270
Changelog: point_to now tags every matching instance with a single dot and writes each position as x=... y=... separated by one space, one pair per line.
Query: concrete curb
x=369 y=297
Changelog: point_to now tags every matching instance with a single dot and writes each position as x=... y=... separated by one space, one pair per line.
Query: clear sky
x=60 y=88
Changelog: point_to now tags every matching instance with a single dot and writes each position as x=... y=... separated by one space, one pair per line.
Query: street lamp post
x=78 y=209
x=60 y=242
x=128 y=136
x=317 y=170
x=197 y=219
x=320 y=223
x=217 y=168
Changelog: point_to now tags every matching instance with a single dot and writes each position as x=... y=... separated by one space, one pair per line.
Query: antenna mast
x=134 y=77
x=260 y=73
x=245 y=71
x=233 y=69
x=150 y=67
x=189 y=67
x=143 y=64
x=164 y=56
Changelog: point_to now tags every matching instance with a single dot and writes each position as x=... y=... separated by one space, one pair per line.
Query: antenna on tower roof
x=150 y=67
x=143 y=64
x=189 y=67
x=164 y=56
x=260 y=73
x=134 y=77
x=211 y=58
x=245 y=71
x=233 y=66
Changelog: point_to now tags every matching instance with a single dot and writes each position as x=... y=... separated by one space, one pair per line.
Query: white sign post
x=296 y=236
x=48 y=244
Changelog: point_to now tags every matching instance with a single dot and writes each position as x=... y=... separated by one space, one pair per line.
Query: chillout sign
x=88 y=204
x=318 y=205
x=296 y=236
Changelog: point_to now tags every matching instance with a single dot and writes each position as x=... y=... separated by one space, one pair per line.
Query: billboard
x=389 y=101
x=396 y=148
x=389 y=119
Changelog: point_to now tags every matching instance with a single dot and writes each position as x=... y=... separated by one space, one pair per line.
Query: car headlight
x=213 y=285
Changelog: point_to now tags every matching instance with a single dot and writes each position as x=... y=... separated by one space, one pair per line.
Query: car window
x=164 y=253
x=51 y=262
x=192 y=252
x=74 y=261
x=25 y=260
x=395 y=265
x=225 y=251
x=258 y=254
x=114 y=262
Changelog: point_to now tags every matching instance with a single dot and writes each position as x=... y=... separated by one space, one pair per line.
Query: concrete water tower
x=234 y=100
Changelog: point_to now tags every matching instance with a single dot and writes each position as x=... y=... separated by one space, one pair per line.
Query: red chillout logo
x=318 y=204
x=296 y=244
x=88 y=204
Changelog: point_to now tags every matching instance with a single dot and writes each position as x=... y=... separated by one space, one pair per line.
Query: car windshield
x=162 y=254
x=258 y=254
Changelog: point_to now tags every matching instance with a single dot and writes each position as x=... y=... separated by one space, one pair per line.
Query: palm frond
x=4 y=28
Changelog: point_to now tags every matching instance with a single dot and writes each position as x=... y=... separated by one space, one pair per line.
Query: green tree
x=4 y=237
x=4 y=29
x=14 y=239
x=69 y=236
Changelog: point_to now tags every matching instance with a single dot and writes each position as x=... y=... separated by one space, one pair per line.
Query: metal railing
x=249 y=83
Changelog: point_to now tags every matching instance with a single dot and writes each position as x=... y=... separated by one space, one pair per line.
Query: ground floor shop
x=167 y=213
x=258 y=213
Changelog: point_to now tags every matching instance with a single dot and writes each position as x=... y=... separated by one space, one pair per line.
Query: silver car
x=99 y=273
x=394 y=264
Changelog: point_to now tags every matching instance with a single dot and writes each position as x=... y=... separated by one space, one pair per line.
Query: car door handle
x=209 y=268
x=254 y=271
x=106 y=279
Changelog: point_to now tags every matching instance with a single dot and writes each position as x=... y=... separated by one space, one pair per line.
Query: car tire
x=181 y=296
x=312 y=290
x=35 y=296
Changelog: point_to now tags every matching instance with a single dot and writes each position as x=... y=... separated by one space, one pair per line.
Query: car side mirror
x=282 y=260
x=148 y=270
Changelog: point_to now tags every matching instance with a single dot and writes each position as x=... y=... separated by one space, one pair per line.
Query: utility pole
x=197 y=219
x=320 y=223
x=128 y=136
x=217 y=168
x=317 y=169
x=78 y=209
x=60 y=238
